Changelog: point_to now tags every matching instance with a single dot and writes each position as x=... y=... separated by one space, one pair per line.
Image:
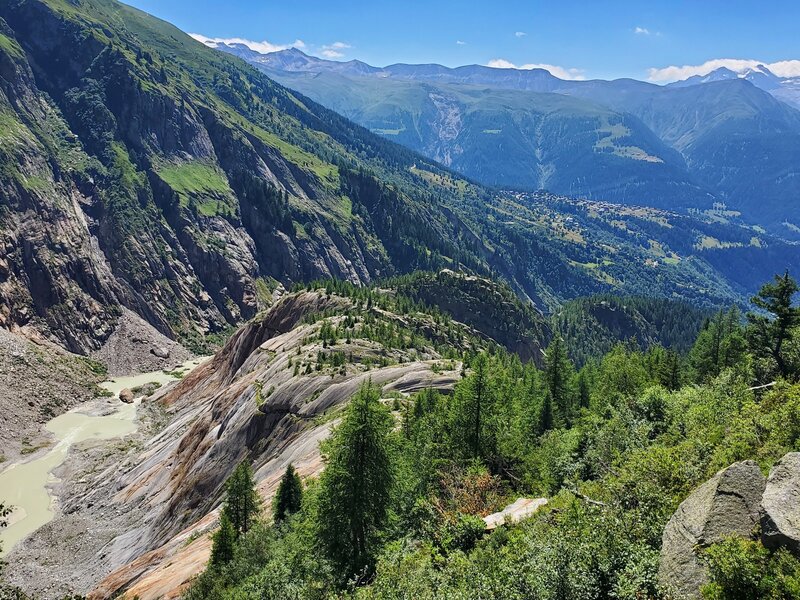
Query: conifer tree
x=669 y=370
x=471 y=414
x=289 y=496
x=224 y=541
x=770 y=335
x=355 y=486
x=720 y=345
x=546 y=414
x=558 y=374
x=242 y=503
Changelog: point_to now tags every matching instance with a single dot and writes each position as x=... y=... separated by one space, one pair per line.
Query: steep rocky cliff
x=143 y=170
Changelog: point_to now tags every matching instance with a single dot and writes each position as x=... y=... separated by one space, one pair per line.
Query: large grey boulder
x=780 y=505
x=725 y=505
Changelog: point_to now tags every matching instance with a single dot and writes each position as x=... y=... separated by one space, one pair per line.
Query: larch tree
x=242 y=503
x=770 y=334
x=289 y=496
x=223 y=542
x=355 y=487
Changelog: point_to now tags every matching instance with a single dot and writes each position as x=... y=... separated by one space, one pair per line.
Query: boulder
x=161 y=352
x=780 y=505
x=522 y=508
x=727 y=504
x=126 y=396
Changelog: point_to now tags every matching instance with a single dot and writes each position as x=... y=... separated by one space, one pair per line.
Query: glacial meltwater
x=24 y=485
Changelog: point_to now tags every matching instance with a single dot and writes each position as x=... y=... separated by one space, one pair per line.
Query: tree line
x=615 y=445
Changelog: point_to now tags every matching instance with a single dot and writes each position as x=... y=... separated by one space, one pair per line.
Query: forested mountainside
x=354 y=442
x=724 y=141
x=176 y=181
x=145 y=172
x=592 y=326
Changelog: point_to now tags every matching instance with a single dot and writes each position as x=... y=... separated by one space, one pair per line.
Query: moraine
x=25 y=485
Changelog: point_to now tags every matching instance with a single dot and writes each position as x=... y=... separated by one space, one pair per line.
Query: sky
x=657 y=40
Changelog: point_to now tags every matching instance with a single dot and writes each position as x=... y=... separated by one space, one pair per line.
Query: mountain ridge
x=145 y=172
x=752 y=170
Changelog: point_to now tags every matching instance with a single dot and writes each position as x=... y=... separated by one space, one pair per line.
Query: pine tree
x=546 y=422
x=558 y=374
x=289 y=496
x=356 y=483
x=480 y=398
x=720 y=345
x=471 y=413
x=669 y=370
x=224 y=541
x=769 y=335
x=242 y=503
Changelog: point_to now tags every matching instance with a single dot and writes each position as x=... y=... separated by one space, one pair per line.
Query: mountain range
x=161 y=200
x=726 y=139
x=145 y=174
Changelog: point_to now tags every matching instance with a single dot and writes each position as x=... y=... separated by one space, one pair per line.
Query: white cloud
x=264 y=47
x=460 y=43
x=560 y=72
x=783 y=68
x=646 y=32
x=520 y=33
x=334 y=50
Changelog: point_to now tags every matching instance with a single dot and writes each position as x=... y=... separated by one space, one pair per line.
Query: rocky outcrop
x=520 y=509
x=727 y=504
x=133 y=182
x=780 y=505
x=490 y=308
x=265 y=397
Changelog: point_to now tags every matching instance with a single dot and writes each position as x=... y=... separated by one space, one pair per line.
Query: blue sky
x=599 y=38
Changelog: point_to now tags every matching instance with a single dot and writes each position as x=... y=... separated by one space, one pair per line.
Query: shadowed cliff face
x=141 y=169
x=269 y=396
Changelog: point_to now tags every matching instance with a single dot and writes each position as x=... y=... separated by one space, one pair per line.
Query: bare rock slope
x=269 y=396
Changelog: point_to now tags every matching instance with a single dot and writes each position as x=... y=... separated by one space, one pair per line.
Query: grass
x=264 y=290
x=200 y=181
x=325 y=172
x=610 y=133
x=445 y=181
x=10 y=46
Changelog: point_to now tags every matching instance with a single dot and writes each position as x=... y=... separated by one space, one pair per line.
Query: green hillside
x=189 y=183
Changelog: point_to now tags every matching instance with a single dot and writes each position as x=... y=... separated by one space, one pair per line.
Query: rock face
x=132 y=183
x=490 y=309
x=265 y=397
x=780 y=505
x=727 y=504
